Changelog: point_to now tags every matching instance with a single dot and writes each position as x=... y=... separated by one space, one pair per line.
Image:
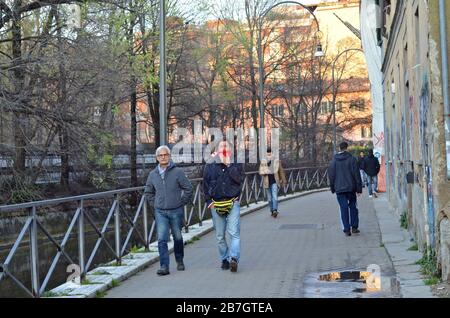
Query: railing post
x=145 y=211
x=117 y=229
x=306 y=180
x=81 y=243
x=199 y=198
x=255 y=188
x=186 y=225
x=34 y=255
x=246 y=191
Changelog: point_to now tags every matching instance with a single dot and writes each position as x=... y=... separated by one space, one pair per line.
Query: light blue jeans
x=372 y=184
x=272 y=197
x=232 y=224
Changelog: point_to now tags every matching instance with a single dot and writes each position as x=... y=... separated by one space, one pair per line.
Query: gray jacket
x=166 y=194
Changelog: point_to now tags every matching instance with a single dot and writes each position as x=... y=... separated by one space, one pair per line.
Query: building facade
x=414 y=116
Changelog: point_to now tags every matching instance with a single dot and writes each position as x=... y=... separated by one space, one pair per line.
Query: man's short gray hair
x=164 y=147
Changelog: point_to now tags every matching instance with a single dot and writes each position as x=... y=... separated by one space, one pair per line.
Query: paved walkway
x=277 y=256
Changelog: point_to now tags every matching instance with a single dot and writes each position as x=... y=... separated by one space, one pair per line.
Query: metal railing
x=141 y=223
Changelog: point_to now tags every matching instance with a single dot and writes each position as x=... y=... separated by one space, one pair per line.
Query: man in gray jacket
x=168 y=190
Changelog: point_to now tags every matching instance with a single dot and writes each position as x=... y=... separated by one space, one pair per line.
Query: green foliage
x=135 y=249
x=404 y=220
x=87 y=282
x=429 y=268
x=100 y=294
x=114 y=283
x=356 y=150
x=25 y=194
x=102 y=175
x=414 y=247
x=49 y=293
x=432 y=281
x=101 y=272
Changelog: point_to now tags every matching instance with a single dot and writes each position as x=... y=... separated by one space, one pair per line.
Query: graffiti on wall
x=379 y=140
x=423 y=120
x=423 y=125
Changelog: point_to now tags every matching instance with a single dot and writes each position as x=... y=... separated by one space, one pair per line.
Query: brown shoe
x=275 y=214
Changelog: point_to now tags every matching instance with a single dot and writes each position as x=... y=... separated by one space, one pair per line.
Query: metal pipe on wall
x=443 y=38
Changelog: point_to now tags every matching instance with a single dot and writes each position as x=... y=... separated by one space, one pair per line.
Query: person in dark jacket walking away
x=222 y=182
x=372 y=168
x=168 y=190
x=361 y=168
x=345 y=181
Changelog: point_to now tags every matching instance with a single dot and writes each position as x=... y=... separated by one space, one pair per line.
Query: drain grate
x=302 y=227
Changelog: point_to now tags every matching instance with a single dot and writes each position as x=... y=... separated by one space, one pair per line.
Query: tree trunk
x=133 y=149
x=19 y=120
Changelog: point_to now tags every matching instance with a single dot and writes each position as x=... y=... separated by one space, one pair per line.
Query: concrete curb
x=109 y=276
x=396 y=241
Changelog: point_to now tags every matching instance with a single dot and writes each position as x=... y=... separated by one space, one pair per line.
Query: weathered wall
x=414 y=118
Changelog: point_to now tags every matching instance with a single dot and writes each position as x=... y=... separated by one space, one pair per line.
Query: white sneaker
x=370 y=196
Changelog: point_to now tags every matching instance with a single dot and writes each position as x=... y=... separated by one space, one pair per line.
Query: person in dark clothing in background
x=372 y=168
x=345 y=181
x=361 y=168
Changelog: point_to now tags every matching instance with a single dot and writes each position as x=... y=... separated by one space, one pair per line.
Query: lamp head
x=319 y=51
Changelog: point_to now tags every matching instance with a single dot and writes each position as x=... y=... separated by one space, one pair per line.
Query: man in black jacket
x=345 y=181
x=222 y=182
x=372 y=168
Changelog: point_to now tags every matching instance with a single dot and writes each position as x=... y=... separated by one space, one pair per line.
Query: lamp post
x=335 y=93
x=162 y=73
x=319 y=53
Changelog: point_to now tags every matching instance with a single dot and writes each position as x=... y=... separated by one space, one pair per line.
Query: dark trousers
x=349 y=210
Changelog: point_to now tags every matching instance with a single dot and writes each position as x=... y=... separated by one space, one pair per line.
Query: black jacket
x=344 y=174
x=221 y=182
x=371 y=166
x=361 y=163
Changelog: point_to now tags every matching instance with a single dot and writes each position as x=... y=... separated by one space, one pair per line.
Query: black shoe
x=225 y=264
x=348 y=233
x=233 y=265
x=180 y=266
x=163 y=271
x=356 y=231
x=274 y=214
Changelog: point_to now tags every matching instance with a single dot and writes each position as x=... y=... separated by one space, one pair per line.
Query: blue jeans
x=349 y=210
x=165 y=220
x=372 y=184
x=232 y=224
x=363 y=177
x=272 y=197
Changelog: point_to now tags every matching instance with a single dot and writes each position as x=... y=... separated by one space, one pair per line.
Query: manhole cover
x=302 y=227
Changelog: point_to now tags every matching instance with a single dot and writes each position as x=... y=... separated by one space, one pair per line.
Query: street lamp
x=162 y=73
x=335 y=93
x=318 y=53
